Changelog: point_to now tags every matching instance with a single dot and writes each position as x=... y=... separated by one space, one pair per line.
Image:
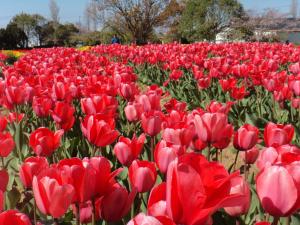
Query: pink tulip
x=242 y=204
x=271 y=183
x=127 y=150
x=142 y=175
x=278 y=134
x=246 y=137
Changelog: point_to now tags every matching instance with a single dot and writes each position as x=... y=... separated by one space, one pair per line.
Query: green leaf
x=13 y=197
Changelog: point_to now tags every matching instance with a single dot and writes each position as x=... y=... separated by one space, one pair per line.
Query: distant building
x=225 y=36
x=277 y=29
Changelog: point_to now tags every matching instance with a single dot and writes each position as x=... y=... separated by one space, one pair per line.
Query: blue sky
x=72 y=10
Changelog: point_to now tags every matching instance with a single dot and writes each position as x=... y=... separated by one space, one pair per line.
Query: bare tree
x=138 y=18
x=87 y=17
x=94 y=15
x=54 y=11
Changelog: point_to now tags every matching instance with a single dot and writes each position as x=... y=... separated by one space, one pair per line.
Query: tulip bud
x=117 y=199
x=31 y=167
x=44 y=142
x=278 y=134
x=7 y=144
x=127 y=150
x=14 y=217
x=142 y=175
x=246 y=137
x=151 y=122
x=242 y=204
x=250 y=155
x=271 y=182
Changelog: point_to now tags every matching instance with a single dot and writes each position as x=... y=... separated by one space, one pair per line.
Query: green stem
x=208 y=152
x=34 y=212
x=291 y=112
x=276 y=220
x=288 y=220
x=55 y=221
x=94 y=212
x=78 y=214
x=221 y=156
x=246 y=166
x=2 y=163
x=299 y=115
x=235 y=160
x=152 y=149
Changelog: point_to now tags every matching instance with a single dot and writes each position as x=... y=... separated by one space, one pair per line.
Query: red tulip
x=86 y=210
x=228 y=84
x=99 y=104
x=295 y=87
x=204 y=82
x=31 y=167
x=59 y=91
x=276 y=179
x=15 y=117
x=151 y=122
x=198 y=145
x=262 y=223
x=176 y=74
x=294 y=68
x=116 y=203
x=196 y=188
x=42 y=106
x=150 y=101
x=63 y=115
x=14 y=217
x=142 y=175
x=250 y=155
x=127 y=150
x=1 y=201
x=241 y=205
x=7 y=144
x=128 y=91
x=238 y=93
x=15 y=95
x=246 y=137
x=44 y=142
x=105 y=178
x=278 y=134
x=181 y=136
x=296 y=103
x=98 y=130
x=81 y=177
x=217 y=107
x=157 y=205
x=173 y=104
x=3 y=123
x=52 y=197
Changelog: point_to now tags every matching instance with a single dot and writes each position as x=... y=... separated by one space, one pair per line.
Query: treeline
x=25 y=30
x=133 y=21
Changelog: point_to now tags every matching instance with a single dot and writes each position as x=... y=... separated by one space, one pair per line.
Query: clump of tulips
x=170 y=134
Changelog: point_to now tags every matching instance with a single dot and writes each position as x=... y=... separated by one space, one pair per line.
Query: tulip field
x=199 y=134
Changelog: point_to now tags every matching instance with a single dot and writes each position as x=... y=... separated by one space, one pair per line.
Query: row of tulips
x=84 y=139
